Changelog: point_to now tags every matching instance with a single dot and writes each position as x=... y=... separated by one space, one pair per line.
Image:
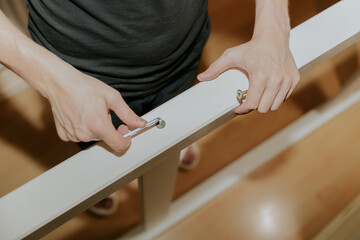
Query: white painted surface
x=157 y=190
x=89 y=174
x=325 y=31
x=81 y=176
x=234 y=172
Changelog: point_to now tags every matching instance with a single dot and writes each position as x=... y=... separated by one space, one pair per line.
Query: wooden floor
x=346 y=225
x=293 y=196
x=304 y=187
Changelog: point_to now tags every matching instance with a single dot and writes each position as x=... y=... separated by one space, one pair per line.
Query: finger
x=72 y=138
x=253 y=97
x=122 y=130
x=267 y=99
x=124 y=112
x=280 y=98
x=70 y=135
x=70 y=131
x=114 y=138
x=61 y=131
x=222 y=64
x=296 y=76
x=293 y=86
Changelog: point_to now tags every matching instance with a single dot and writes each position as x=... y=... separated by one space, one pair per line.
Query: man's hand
x=266 y=59
x=80 y=103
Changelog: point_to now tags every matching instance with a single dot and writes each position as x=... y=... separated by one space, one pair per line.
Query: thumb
x=222 y=64
x=124 y=112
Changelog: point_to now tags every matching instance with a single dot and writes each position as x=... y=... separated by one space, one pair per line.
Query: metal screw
x=161 y=123
x=241 y=95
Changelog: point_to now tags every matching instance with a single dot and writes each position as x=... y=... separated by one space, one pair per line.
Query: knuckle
x=277 y=82
x=277 y=79
x=128 y=113
x=278 y=74
x=113 y=95
x=228 y=52
x=83 y=137
x=260 y=75
x=96 y=126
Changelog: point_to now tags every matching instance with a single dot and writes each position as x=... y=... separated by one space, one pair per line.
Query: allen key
x=158 y=122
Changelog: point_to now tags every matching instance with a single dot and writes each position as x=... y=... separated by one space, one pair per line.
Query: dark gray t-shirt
x=135 y=46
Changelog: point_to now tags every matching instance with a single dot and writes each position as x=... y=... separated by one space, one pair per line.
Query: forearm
x=80 y=103
x=272 y=19
x=27 y=59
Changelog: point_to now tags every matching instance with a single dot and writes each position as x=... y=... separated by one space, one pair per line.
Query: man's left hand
x=270 y=68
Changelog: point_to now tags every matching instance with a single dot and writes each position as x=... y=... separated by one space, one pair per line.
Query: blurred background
x=299 y=194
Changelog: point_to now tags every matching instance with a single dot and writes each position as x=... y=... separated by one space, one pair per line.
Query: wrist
x=36 y=65
x=272 y=20
x=31 y=62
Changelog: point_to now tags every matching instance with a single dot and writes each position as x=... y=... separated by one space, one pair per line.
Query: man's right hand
x=81 y=107
x=80 y=104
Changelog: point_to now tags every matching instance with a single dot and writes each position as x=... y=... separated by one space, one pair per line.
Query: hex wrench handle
x=158 y=122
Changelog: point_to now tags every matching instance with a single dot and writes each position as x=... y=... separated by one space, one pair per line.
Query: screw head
x=161 y=124
x=239 y=94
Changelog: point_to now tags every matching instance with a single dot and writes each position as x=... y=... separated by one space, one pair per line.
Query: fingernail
x=202 y=75
x=142 y=122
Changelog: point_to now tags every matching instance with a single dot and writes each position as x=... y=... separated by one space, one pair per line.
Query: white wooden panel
x=69 y=188
x=320 y=35
x=241 y=167
x=157 y=189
